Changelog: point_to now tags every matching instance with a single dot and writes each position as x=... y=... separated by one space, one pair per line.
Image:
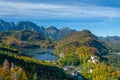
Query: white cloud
x=48 y=11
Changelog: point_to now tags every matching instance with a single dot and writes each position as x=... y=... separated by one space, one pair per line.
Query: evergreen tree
x=35 y=76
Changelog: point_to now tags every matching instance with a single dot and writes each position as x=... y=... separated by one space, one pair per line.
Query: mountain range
x=50 y=32
x=53 y=33
x=111 y=39
x=112 y=43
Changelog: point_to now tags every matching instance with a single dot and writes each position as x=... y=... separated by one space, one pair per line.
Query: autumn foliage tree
x=11 y=72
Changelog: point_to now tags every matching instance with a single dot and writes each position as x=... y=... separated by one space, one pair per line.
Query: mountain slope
x=5 y=25
x=80 y=39
x=26 y=25
x=52 y=32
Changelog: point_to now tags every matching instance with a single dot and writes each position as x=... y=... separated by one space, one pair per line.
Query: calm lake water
x=48 y=55
x=113 y=54
x=116 y=54
x=39 y=54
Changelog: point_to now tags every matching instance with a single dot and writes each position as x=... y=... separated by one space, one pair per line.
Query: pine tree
x=35 y=76
x=6 y=65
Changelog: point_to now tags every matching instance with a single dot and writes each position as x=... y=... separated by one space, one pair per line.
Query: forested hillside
x=25 y=39
x=82 y=51
x=80 y=39
x=25 y=68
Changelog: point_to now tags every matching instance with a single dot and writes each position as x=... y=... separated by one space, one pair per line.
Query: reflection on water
x=41 y=54
x=115 y=53
x=112 y=54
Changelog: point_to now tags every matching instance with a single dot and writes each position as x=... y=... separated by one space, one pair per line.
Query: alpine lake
x=41 y=54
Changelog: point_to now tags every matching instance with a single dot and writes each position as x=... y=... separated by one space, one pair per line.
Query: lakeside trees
x=34 y=69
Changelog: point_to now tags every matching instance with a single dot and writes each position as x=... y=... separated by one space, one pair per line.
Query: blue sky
x=102 y=17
